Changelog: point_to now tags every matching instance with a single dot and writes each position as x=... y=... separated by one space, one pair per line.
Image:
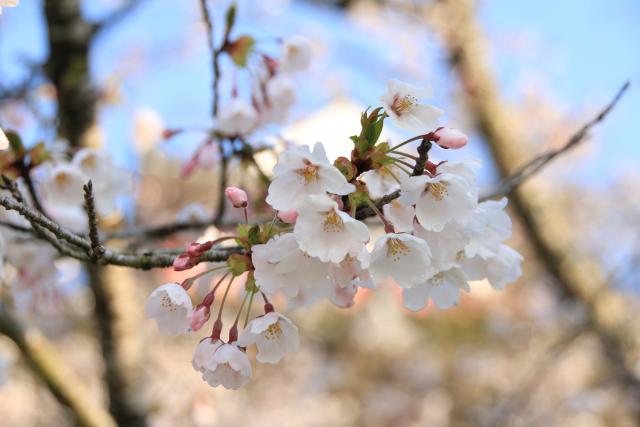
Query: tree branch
x=533 y=166
x=97 y=251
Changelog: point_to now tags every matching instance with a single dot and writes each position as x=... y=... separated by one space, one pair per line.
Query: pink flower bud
x=237 y=197
x=194 y=250
x=199 y=317
x=182 y=262
x=450 y=138
x=289 y=216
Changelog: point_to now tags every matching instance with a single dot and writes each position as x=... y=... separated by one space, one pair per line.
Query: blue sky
x=578 y=52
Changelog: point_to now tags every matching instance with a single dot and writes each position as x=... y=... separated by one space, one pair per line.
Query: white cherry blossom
x=280 y=265
x=171 y=306
x=203 y=354
x=440 y=199
x=487 y=227
x=280 y=96
x=400 y=215
x=274 y=335
x=148 y=129
x=227 y=366
x=237 y=117
x=296 y=54
x=301 y=172
x=443 y=289
x=382 y=181
x=325 y=232
x=63 y=185
x=448 y=244
x=500 y=269
x=401 y=103
x=109 y=181
x=403 y=257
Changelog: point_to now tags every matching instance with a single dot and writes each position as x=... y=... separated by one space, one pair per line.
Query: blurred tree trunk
x=70 y=38
x=45 y=362
x=547 y=226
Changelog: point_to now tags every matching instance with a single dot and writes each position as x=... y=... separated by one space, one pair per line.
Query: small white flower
x=487 y=227
x=274 y=335
x=401 y=103
x=443 y=289
x=280 y=96
x=148 y=128
x=63 y=185
x=401 y=216
x=296 y=54
x=237 y=117
x=227 y=366
x=440 y=199
x=299 y=173
x=403 y=257
x=4 y=141
x=500 y=269
x=280 y=265
x=347 y=276
x=109 y=181
x=8 y=3
x=171 y=306
x=327 y=233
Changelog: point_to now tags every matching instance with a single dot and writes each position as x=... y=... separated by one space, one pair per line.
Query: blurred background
x=559 y=348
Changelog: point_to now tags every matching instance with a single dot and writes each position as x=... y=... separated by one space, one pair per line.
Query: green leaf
x=15 y=143
x=230 y=19
x=254 y=235
x=240 y=49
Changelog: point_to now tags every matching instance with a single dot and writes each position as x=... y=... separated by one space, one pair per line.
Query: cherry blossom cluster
x=434 y=238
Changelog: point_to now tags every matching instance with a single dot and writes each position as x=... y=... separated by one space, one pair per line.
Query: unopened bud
x=450 y=138
x=289 y=216
x=199 y=317
x=237 y=197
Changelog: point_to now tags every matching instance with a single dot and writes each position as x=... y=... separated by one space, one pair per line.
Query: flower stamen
x=438 y=191
x=333 y=223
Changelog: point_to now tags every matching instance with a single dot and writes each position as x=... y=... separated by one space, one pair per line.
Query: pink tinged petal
x=288 y=216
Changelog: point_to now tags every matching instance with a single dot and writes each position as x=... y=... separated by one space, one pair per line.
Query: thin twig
x=97 y=250
x=533 y=166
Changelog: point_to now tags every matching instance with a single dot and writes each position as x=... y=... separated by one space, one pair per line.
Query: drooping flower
x=347 y=276
x=296 y=54
x=401 y=103
x=403 y=257
x=382 y=181
x=443 y=289
x=280 y=96
x=200 y=316
x=327 y=233
x=237 y=117
x=274 y=335
x=450 y=138
x=500 y=269
x=280 y=265
x=204 y=353
x=440 y=199
x=171 y=306
x=299 y=173
x=222 y=364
